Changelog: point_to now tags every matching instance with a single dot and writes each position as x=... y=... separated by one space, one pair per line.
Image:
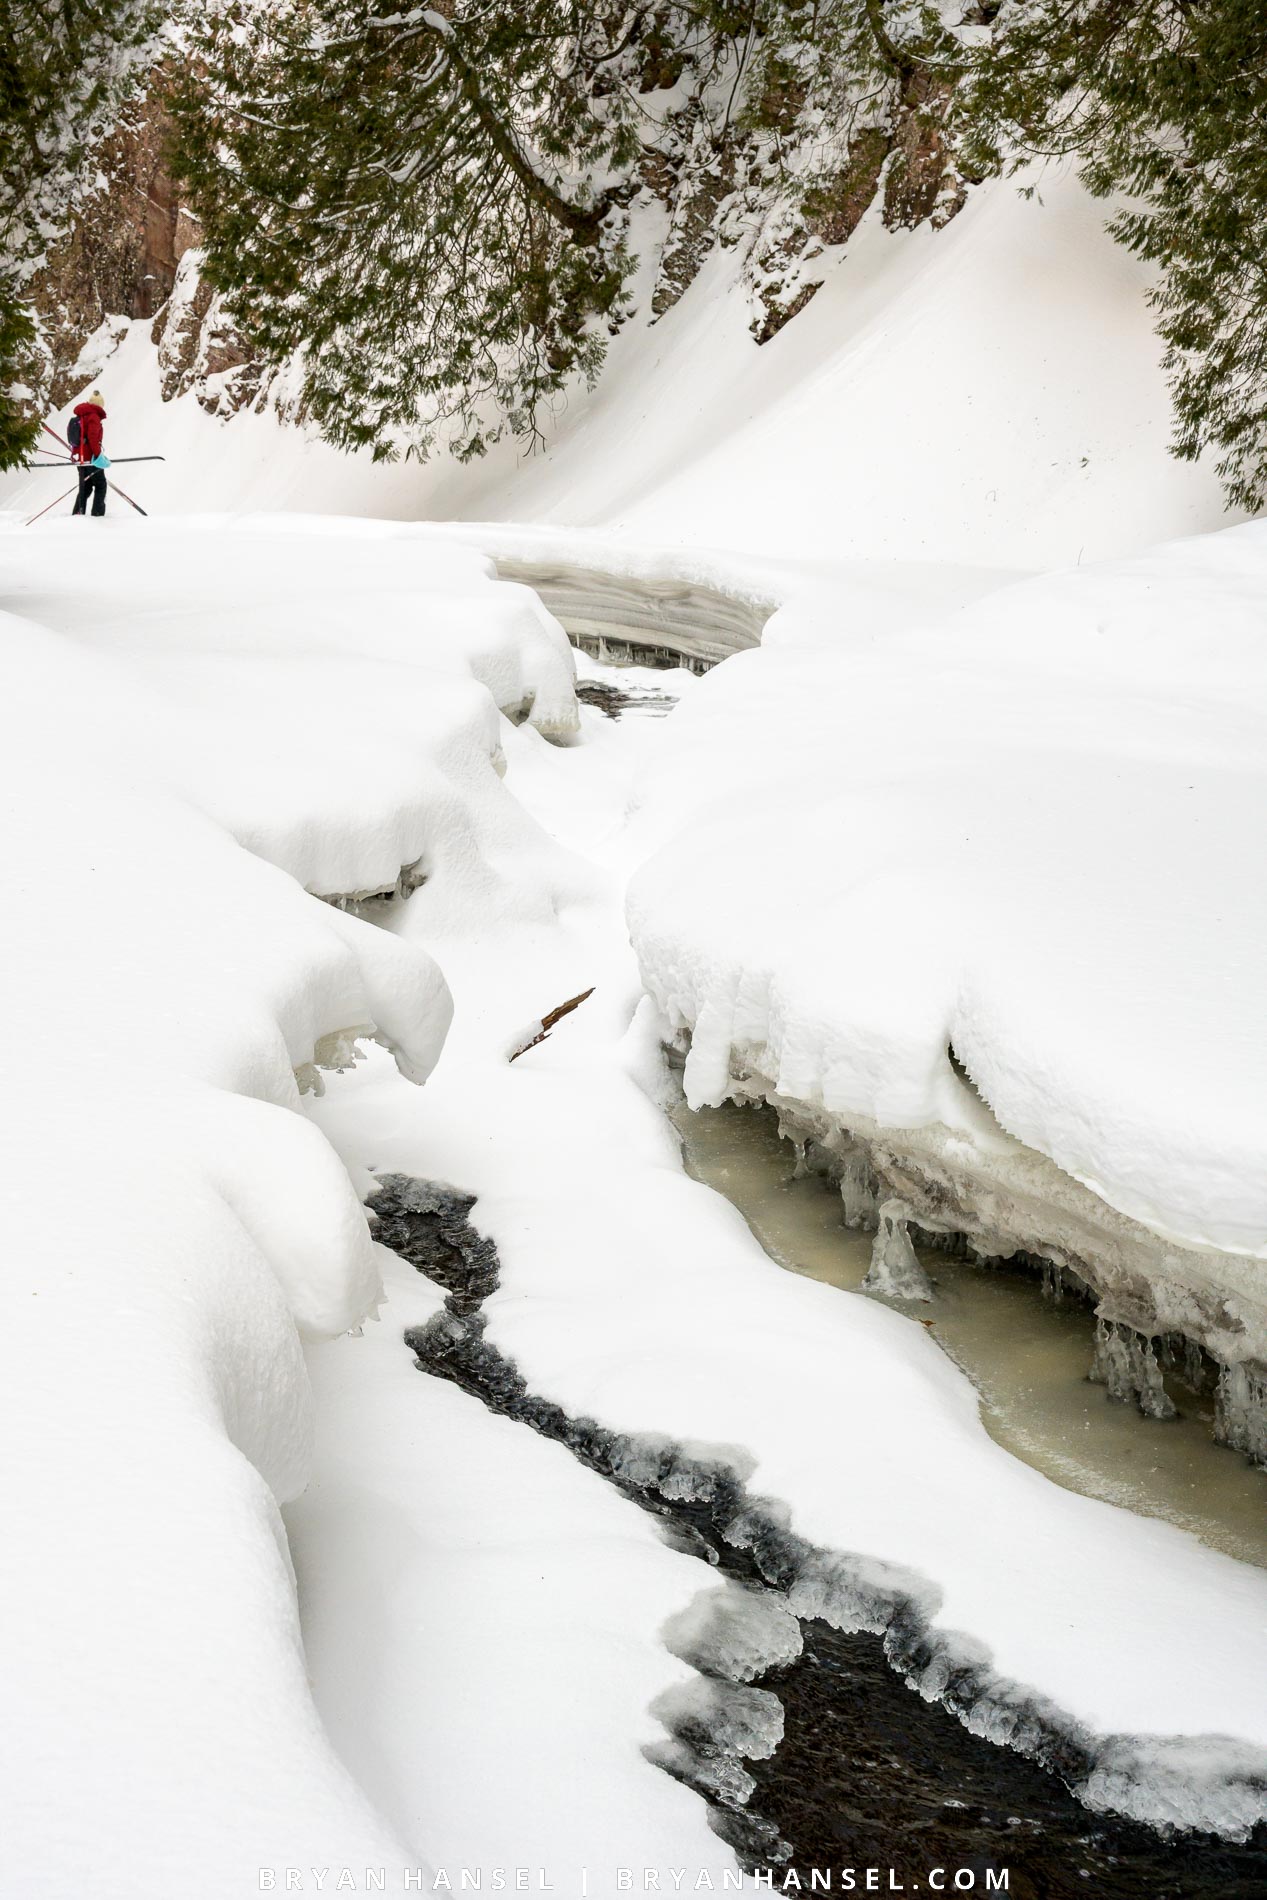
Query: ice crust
x=734 y=1632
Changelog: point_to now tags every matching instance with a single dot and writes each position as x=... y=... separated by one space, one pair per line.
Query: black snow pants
x=92 y=481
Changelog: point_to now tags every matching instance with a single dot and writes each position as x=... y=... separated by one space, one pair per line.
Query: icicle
x=857 y=1190
x=1194 y=1372
x=1240 y=1412
x=1126 y=1364
x=1053 y=1283
x=894 y=1270
x=799 y=1145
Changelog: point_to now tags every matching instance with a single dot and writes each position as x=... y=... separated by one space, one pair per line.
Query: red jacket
x=91 y=416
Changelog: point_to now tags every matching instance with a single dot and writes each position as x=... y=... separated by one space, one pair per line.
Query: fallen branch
x=547 y=1022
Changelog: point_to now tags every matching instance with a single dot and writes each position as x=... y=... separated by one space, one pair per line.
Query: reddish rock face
x=121 y=259
x=128 y=235
x=199 y=348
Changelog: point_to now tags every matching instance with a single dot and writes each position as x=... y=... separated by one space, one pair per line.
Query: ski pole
x=122 y=493
x=129 y=500
x=52 y=504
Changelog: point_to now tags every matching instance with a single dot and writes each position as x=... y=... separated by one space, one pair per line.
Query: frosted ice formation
x=1126 y=1363
x=894 y=1270
x=735 y=1632
x=1209 y=1782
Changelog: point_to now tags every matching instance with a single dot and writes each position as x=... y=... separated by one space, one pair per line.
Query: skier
x=88 y=453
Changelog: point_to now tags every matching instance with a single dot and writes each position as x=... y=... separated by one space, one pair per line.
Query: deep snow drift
x=197 y=724
x=208 y=719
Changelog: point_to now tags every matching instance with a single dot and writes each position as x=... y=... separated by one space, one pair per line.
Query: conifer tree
x=65 y=67
x=424 y=202
x=428 y=205
x=1165 y=102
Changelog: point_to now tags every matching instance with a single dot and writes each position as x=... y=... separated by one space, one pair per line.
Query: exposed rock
x=120 y=256
x=695 y=192
x=178 y=330
x=922 y=182
x=833 y=207
x=908 y=162
x=779 y=268
x=131 y=252
x=199 y=348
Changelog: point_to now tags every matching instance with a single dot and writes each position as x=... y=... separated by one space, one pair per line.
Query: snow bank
x=988 y=394
x=1018 y=844
x=482 y=1619
x=197 y=723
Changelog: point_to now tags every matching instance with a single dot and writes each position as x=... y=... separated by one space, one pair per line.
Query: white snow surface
x=483 y=1621
x=199 y=721
x=207 y=718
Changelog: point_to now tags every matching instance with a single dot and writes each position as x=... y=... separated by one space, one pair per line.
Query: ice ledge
x=1000 y=1200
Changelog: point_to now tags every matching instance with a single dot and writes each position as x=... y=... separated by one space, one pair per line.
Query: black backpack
x=74 y=434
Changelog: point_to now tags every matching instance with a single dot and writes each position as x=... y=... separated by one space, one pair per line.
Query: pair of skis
x=70 y=491
x=116 y=461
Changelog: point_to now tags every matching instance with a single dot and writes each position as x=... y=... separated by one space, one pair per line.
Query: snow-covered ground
x=197 y=724
x=210 y=717
x=932 y=808
x=1026 y=834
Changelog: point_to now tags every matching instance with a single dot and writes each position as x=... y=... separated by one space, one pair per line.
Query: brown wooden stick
x=548 y=1022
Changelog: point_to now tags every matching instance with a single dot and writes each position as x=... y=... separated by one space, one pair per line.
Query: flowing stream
x=1027 y=1353
x=868 y=1773
x=869 y=1777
